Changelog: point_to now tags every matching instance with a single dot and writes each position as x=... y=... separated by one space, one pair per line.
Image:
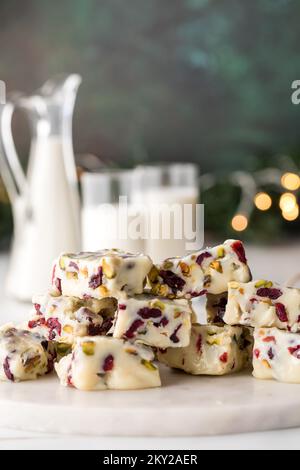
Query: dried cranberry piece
x=53 y=274
x=224 y=357
x=74 y=265
x=272 y=294
x=108 y=363
x=172 y=280
x=7 y=370
x=198 y=294
x=96 y=279
x=281 y=312
x=295 y=351
x=239 y=250
x=58 y=284
x=54 y=326
x=147 y=312
x=256 y=353
x=69 y=381
x=37 y=308
x=202 y=257
x=133 y=328
x=163 y=322
x=199 y=344
x=271 y=354
x=269 y=339
x=122 y=307
x=174 y=338
x=40 y=322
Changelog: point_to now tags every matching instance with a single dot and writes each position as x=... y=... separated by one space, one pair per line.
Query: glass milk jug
x=45 y=202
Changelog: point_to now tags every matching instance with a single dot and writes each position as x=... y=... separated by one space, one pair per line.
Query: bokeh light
x=263 y=201
x=239 y=222
x=288 y=202
x=291 y=215
x=290 y=181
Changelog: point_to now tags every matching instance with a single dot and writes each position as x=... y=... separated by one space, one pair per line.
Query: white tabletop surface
x=277 y=263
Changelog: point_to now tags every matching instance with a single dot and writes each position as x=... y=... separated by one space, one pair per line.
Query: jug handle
x=11 y=170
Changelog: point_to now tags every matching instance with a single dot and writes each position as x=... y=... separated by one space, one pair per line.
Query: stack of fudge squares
x=274 y=313
x=110 y=316
x=214 y=348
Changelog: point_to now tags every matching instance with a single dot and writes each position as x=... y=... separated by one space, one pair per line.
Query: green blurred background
x=200 y=80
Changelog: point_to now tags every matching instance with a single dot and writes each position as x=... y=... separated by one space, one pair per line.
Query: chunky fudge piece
x=276 y=355
x=263 y=304
x=213 y=350
x=62 y=318
x=203 y=272
x=155 y=321
x=24 y=355
x=215 y=307
x=100 y=274
x=102 y=362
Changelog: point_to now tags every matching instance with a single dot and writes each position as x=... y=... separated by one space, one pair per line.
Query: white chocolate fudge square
x=101 y=362
x=23 y=355
x=100 y=274
x=62 y=319
x=203 y=272
x=276 y=355
x=263 y=304
x=157 y=322
x=213 y=350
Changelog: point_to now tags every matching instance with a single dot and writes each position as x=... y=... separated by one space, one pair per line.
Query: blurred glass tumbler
x=159 y=188
x=105 y=221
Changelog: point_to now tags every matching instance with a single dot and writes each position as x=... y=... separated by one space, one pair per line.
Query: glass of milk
x=107 y=212
x=163 y=192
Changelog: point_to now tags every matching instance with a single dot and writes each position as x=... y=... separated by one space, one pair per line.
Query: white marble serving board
x=184 y=406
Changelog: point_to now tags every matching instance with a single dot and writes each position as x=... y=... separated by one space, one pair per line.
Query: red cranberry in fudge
x=96 y=279
x=130 y=333
x=295 y=351
x=54 y=326
x=163 y=322
x=174 y=338
x=270 y=293
x=202 y=257
x=172 y=280
x=224 y=357
x=148 y=312
x=108 y=363
x=7 y=370
x=281 y=312
x=199 y=344
x=239 y=250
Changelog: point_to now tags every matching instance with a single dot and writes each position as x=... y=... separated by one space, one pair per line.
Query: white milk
x=100 y=228
x=52 y=226
x=160 y=248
